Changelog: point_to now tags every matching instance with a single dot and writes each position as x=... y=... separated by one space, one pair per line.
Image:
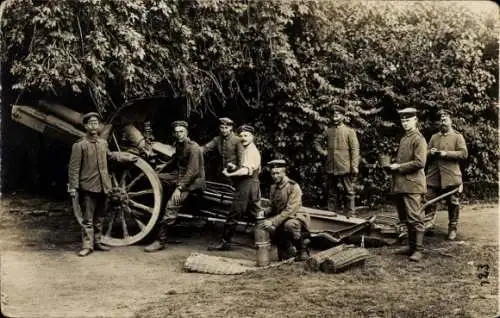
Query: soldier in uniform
x=247 y=197
x=88 y=174
x=228 y=145
x=185 y=173
x=446 y=148
x=342 y=163
x=287 y=225
x=408 y=182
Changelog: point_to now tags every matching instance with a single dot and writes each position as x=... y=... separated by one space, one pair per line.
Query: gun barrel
x=63 y=112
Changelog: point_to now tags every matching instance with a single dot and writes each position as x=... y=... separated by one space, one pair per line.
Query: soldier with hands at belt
x=342 y=163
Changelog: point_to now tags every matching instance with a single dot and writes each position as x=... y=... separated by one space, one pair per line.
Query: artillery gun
x=137 y=197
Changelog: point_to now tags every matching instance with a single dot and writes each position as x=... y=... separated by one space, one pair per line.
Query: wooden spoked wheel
x=134 y=203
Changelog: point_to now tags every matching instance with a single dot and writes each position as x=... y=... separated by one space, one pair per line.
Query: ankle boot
x=419 y=247
x=161 y=239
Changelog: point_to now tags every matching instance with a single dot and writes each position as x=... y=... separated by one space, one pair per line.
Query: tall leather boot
x=419 y=247
x=453 y=212
x=351 y=206
x=410 y=248
x=302 y=246
x=161 y=240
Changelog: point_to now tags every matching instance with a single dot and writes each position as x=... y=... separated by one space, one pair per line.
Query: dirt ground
x=42 y=276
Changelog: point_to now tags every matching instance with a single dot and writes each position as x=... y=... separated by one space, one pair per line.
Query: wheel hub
x=118 y=197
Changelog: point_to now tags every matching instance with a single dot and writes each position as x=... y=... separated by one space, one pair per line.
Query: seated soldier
x=186 y=174
x=287 y=226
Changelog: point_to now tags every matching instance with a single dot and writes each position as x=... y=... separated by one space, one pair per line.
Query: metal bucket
x=262 y=242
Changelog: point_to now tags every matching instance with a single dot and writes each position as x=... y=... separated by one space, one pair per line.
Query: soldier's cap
x=87 y=116
x=277 y=163
x=180 y=123
x=248 y=128
x=444 y=113
x=408 y=112
x=339 y=109
x=226 y=121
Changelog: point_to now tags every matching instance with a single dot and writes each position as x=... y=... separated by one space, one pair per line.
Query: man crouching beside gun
x=89 y=182
x=287 y=226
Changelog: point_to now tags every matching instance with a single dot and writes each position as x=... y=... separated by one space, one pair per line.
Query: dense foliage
x=280 y=63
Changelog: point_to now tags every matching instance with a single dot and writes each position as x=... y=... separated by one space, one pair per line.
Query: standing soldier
x=89 y=180
x=408 y=182
x=342 y=163
x=287 y=225
x=228 y=145
x=185 y=173
x=446 y=149
x=246 y=200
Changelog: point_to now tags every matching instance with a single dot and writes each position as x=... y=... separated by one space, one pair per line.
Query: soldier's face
x=225 y=130
x=277 y=174
x=180 y=133
x=337 y=117
x=92 y=125
x=246 y=138
x=445 y=124
x=409 y=123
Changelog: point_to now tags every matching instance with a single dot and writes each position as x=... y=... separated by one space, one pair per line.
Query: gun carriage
x=138 y=196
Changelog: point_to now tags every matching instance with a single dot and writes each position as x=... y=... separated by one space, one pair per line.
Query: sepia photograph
x=249 y=158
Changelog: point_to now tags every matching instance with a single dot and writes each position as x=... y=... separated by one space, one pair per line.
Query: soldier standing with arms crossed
x=228 y=145
x=246 y=200
x=446 y=149
x=408 y=182
x=342 y=163
x=185 y=173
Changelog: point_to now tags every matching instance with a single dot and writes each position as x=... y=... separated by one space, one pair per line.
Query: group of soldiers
x=241 y=167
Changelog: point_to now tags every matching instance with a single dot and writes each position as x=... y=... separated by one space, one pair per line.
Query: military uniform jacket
x=88 y=165
x=343 y=149
x=286 y=201
x=412 y=155
x=188 y=161
x=230 y=149
x=445 y=171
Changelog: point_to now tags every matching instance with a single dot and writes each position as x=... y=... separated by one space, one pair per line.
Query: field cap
x=87 y=116
x=408 y=112
x=248 y=128
x=277 y=163
x=180 y=123
x=226 y=121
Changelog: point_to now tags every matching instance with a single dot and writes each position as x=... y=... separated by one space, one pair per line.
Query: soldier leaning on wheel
x=342 y=163
x=88 y=174
x=229 y=147
x=185 y=173
x=446 y=148
x=287 y=226
x=408 y=182
x=246 y=201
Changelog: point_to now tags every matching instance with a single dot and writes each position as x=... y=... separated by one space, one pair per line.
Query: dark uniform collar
x=91 y=138
x=177 y=143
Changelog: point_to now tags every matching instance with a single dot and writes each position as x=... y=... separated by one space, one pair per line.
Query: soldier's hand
x=225 y=173
x=72 y=192
x=268 y=225
x=442 y=153
x=324 y=153
x=394 y=166
x=433 y=151
x=176 y=197
x=355 y=171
